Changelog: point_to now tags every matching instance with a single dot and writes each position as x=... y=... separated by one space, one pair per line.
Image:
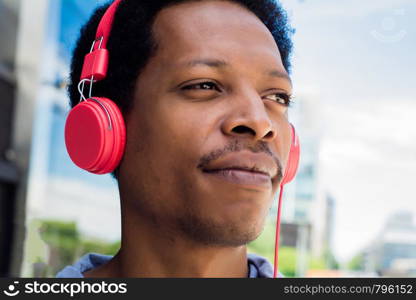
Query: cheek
x=183 y=128
x=149 y=171
x=163 y=143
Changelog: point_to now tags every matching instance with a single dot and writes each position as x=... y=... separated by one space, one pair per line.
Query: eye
x=206 y=85
x=281 y=98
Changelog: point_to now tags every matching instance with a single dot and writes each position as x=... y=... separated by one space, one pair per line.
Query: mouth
x=243 y=168
x=242 y=176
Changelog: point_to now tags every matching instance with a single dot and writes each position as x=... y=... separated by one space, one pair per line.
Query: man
x=204 y=91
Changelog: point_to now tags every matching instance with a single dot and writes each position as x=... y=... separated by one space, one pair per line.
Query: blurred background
x=350 y=212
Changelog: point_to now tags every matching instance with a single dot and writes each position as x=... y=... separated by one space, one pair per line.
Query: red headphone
x=95 y=133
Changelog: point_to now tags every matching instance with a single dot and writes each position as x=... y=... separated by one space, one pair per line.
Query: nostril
x=243 y=129
x=269 y=135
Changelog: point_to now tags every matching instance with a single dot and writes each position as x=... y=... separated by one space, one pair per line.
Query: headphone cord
x=276 y=246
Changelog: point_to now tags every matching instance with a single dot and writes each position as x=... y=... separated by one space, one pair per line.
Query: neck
x=149 y=251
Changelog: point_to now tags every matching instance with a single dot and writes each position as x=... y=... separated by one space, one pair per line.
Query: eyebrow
x=218 y=63
x=214 y=63
x=279 y=74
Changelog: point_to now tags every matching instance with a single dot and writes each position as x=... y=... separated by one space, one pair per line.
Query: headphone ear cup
x=95 y=135
x=293 y=160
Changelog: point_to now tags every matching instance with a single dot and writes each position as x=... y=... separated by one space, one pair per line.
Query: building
x=37 y=180
x=393 y=251
x=11 y=180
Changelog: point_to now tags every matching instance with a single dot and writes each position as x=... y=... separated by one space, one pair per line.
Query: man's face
x=207 y=138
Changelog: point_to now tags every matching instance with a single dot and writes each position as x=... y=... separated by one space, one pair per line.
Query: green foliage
x=356 y=263
x=287 y=261
x=317 y=263
x=98 y=246
x=264 y=246
x=59 y=234
x=330 y=260
x=66 y=244
x=326 y=261
x=63 y=239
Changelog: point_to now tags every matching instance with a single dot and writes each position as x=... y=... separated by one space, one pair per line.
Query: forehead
x=221 y=29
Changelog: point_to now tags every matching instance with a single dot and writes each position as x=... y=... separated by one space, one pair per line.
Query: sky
x=356 y=60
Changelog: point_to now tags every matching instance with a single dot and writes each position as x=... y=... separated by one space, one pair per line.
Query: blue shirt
x=258 y=267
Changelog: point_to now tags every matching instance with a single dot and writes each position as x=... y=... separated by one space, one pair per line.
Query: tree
x=356 y=263
x=66 y=244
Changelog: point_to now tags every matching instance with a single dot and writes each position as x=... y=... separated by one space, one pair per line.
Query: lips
x=244 y=168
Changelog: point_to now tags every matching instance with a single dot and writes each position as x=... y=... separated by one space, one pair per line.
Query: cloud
x=368 y=159
x=371 y=128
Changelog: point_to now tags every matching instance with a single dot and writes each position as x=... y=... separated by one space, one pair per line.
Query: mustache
x=237 y=145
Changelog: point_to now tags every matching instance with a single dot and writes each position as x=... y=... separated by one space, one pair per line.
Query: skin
x=177 y=221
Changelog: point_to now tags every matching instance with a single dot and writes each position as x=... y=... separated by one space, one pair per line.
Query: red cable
x=276 y=245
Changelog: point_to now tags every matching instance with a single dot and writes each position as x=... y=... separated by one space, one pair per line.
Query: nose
x=248 y=117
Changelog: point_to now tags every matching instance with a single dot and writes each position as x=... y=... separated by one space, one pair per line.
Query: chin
x=224 y=231
x=244 y=220
x=234 y=235
x=223 y=217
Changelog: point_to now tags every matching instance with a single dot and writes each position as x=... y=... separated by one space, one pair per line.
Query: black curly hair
x=131 y=44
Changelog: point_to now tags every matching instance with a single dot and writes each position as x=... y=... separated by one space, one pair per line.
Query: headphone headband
x=106 y=23
x=96 y=62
